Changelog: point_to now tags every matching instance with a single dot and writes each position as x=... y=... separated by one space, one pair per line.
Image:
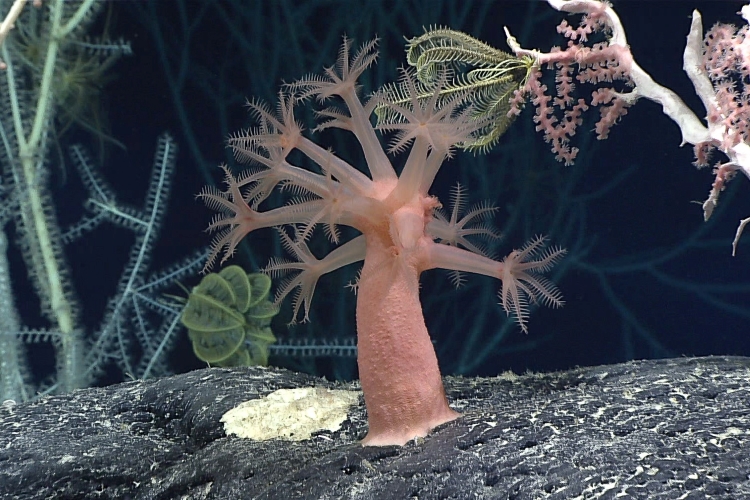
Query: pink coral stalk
x=398 y=368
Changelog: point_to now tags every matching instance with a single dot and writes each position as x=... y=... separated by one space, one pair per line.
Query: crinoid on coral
x=486 y=77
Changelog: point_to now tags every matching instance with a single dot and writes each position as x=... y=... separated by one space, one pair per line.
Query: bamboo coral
x=718 y=65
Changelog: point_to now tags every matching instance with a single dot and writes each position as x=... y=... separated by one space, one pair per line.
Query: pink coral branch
x=717 y=65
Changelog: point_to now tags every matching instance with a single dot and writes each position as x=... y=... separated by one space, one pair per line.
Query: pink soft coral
x=402 y=234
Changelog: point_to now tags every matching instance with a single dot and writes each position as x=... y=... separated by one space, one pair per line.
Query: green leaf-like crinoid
x=228 y=317
x=486 y=79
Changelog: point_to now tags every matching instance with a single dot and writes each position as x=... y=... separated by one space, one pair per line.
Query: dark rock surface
x=675 y=428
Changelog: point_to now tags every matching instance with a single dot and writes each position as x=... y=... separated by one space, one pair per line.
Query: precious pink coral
x=402 y=234
x=717 y=64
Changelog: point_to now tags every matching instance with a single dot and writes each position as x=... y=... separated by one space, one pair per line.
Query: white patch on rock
x=290 y=414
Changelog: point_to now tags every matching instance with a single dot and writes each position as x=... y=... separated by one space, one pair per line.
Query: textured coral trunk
x=398 y=368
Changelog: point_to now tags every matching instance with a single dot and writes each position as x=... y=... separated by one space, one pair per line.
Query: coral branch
x=718 y=65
